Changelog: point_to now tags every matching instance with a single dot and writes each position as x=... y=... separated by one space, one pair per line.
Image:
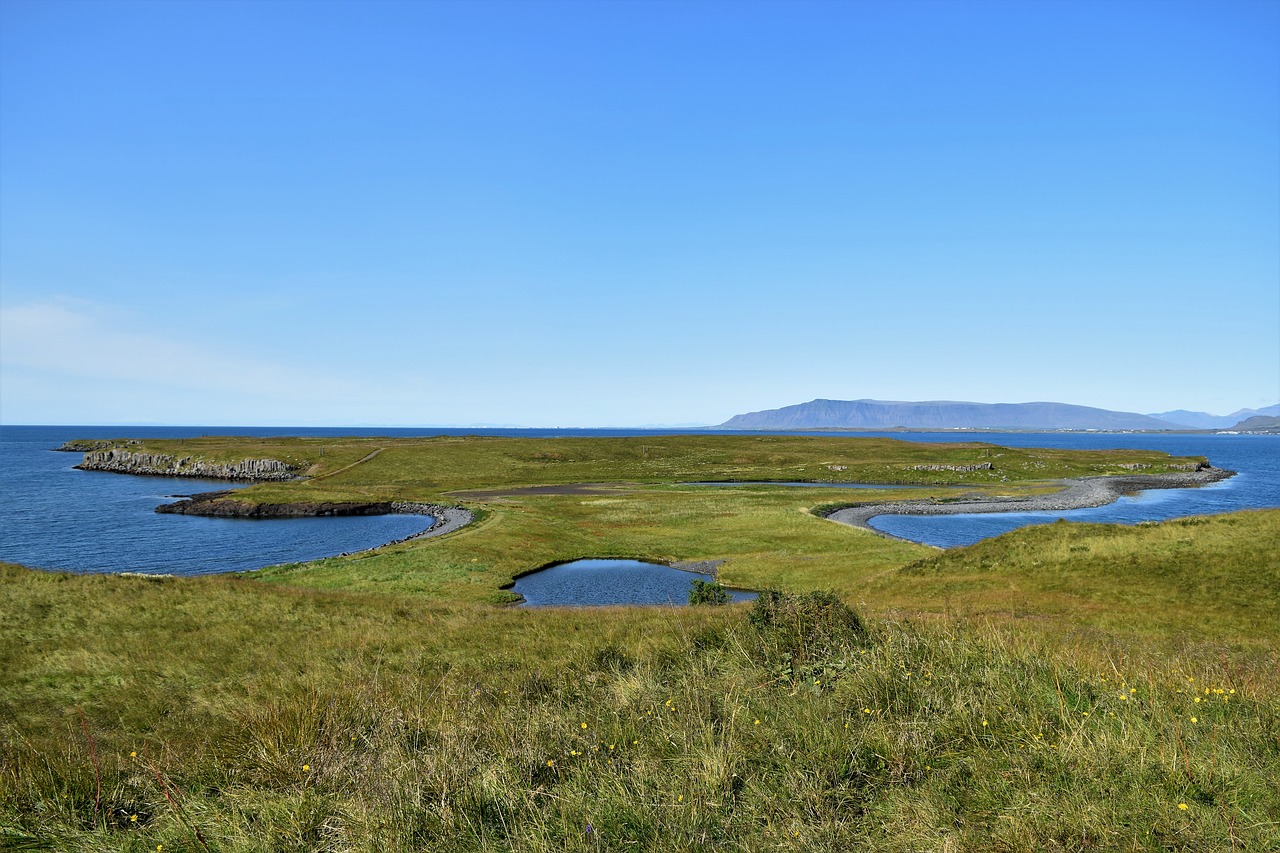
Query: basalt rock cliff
x=122 y=461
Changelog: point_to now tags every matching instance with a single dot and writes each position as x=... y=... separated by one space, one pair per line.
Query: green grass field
x=1062 y=687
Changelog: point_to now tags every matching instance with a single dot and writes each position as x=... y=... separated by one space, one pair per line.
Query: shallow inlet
x=596 y=583
x=952 y=531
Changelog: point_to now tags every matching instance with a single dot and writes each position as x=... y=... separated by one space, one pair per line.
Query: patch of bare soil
x=570 y=489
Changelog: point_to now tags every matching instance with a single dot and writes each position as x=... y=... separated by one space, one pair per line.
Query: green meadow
x=1062 y=687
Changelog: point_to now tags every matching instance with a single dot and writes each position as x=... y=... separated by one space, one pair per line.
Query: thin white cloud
x=76 y=345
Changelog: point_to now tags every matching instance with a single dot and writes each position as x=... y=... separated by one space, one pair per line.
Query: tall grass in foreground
x=790 y=725
x=1065 y=687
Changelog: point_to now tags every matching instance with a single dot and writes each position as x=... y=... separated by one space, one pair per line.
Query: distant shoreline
x=1081 y=493
x=992 y=430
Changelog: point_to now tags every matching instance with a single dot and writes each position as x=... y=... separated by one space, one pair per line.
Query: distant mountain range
x=1204 y=420
x=949 y=414
x=1259 y=423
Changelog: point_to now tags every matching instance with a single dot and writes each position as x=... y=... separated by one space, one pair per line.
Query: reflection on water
x=828 y=485
x=604 y=582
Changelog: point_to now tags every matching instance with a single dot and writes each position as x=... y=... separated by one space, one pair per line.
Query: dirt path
x=360 y=461
x=581 y=489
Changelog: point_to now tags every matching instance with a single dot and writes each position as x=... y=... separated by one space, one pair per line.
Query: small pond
x=605 y=582
x=828 y=485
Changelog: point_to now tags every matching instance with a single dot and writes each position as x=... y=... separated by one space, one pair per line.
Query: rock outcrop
x=226 y=505
x=121 y=461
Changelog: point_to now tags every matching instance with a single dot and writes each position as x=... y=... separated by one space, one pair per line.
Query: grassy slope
x=295 y=719
x=1176 y=579
x=386 y=707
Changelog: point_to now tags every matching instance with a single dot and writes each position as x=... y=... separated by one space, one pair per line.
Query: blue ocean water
x=55 y=517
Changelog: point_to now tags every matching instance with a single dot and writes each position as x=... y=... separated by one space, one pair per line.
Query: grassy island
x=1063 y=687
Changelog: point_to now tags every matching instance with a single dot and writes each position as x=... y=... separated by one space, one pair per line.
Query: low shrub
x=707 y=592
x=805 y=635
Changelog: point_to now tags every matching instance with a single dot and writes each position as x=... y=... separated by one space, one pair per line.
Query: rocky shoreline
x=1078 y=494
x=119 y=461
x=224 y=505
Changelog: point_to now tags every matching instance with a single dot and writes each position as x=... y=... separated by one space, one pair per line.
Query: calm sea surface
x=55 y=517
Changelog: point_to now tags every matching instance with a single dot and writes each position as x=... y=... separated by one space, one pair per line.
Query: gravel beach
x=1077 y=494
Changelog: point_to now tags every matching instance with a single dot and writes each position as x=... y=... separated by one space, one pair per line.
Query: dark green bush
x=707 y=592
x=804 y=635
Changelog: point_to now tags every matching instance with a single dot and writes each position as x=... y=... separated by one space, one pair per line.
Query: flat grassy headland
x=1061 y=687
x=429 y=467
x=766 y=535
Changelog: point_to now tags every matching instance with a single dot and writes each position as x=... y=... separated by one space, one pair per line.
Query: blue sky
x=624 y=213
